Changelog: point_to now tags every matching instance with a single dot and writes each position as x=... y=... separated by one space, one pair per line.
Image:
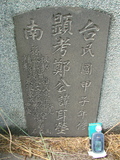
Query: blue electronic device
x=97 y=142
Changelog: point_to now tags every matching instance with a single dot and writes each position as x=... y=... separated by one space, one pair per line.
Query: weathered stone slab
x=61 y=54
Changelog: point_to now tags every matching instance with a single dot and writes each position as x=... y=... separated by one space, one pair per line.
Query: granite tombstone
x=61 y=54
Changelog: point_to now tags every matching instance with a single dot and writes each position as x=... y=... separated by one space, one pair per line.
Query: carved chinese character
x=61 y=114
x=60 y=67
x=85 y=85
x=48 y=131
x=29 y=112
x=62 y=24
x=57 y=27
x=82 y=114
x=67 y=24
x=86 y=69
x=50 y=109
x=87 y=50
x=57 y=18
x=35 y=62
x=82 y=125
x=61 y=127
x=39 y=61
x=43 y=115
x=63 y=100
x=61 y=85
x=34 y=131
x=89 y=30
x=61 y=45
x=40 y=126
x=83 y=101
x=33 y=31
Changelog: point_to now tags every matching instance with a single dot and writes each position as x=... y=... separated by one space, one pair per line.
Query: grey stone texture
x=11 y=101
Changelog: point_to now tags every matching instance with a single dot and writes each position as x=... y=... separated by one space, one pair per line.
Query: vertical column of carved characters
x=37 y=85
x=88 y=32
x=34 y=32
x=61 y=26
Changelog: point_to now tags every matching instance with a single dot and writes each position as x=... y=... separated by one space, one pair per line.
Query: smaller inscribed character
x=35 y=63
x=40 y=125
x=86 y=69
x=89 y=30
x=63 y=100
x=82 y=114
x=34 y=132
x=85 y=85
x=83 y=101
x=33 y=31
x=60 y=67
x=87 y=50
x=61 y=45
x=50 y=109
x=48 y=131
x=43 y=115
x=82 y=125
x=62 y=24
x=28 y=111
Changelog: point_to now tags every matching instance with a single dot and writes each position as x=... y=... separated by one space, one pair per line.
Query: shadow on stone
x=14 y=130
